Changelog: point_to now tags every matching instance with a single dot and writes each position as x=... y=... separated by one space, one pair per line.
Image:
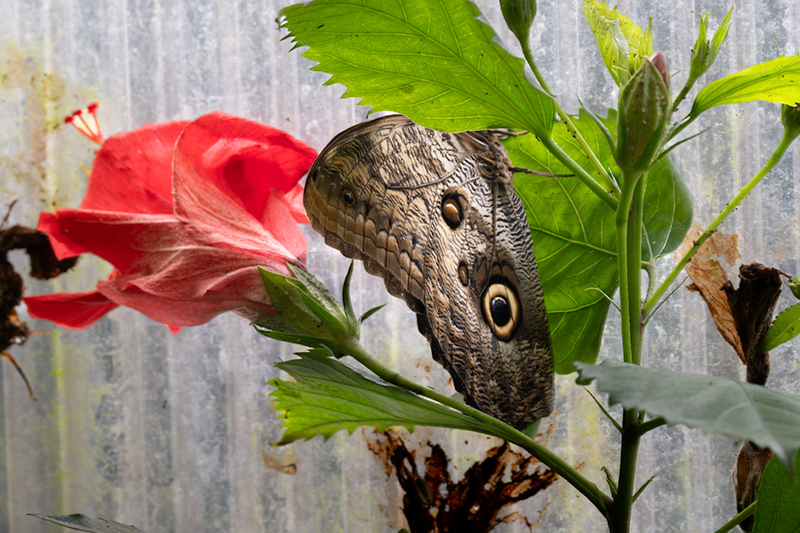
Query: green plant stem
x=739 y=518
x=629 y=253
x=579 y=171
x=650 y=425
x=607 y=182
x=774 y=159
x=500 y=429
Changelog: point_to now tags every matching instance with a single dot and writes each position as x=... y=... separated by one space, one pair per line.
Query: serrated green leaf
x=574 y=234
x=774 y=81
x=434 y=62
x=80 y=522
x=327 y=396
x=785 y=327
x=778 y=501
x=623 y=44
x=765 y=416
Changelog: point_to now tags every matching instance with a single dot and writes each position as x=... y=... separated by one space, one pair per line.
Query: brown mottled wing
x=435 y=215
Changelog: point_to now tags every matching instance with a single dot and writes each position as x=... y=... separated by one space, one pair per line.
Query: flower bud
x=790 y=117
x=645 y=109
x=705 y=51
x=794 y=286
x=519 y=15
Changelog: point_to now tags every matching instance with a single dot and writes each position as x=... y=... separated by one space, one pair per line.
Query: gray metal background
x=169 y=432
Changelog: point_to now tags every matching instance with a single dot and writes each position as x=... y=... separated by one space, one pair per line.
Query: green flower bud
x=308 y=313
x=794 y=286
x=645 y=109
x=519 y=15
x=790 y=117
x=705 y=52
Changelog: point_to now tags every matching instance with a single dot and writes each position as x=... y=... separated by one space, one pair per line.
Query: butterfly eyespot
x=501 y=310
x=348 y=197
x=314 y=174
x=454 y=205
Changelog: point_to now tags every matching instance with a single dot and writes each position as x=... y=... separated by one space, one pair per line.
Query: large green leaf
x=785 y=327
x=778 y=501
x=434 y=62
x=574 y=235
x=329 y=396
x=80 y=522
x=774 y=81
x=765 y=416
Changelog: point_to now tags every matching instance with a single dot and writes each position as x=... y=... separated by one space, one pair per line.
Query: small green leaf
x=371 y=312
x=765 y=416
x=80 y=522
x=328 y=396
x=434 y=62
x=623 y=45
x=785 y=327
x=778 y=501
x=774 y=81
x=574 y=237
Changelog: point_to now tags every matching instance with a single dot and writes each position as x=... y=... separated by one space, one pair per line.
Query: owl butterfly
x=436 y=215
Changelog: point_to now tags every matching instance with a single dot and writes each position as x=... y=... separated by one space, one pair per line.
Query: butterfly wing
x=436 y=216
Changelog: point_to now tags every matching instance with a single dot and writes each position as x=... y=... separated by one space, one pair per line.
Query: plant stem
x=607 y=183
x=629 y=254
x=739 y=518
x=579 y=171
x=773 y=160
x=499 y=429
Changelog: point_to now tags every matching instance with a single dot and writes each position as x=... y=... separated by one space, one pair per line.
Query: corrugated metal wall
x=171 y=432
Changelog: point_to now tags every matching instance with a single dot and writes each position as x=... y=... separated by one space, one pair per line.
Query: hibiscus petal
x=243 y=293
x=222 y=161
x=75 y=311
x=295 y=200
x=63 y=247
x=133 y=171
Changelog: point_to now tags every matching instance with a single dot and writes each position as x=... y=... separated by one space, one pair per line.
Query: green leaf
x=778 y=501
x=774 y=81
x=327 y=396
x=765 y=416
x=623 y=45
x=785 y=327
x=434 y=62
x=80 y=522
x=574 y=234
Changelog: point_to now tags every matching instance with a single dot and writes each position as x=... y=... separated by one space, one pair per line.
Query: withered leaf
x=433 y=502
x=709 y=279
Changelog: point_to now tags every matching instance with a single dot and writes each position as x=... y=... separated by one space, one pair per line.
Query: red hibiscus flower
x=185 y=211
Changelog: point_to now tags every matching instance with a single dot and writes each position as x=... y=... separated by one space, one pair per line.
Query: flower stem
x=498 y=428
x=776 y=156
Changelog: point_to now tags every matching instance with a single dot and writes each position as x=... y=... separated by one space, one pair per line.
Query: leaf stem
x=608 y=183
x=580 y=172
x=650 y=425
x=773 y=160
x=499 y=429
x=739 y=518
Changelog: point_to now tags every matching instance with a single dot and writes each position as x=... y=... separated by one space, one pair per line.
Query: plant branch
x=774 y=159
x=499 y=429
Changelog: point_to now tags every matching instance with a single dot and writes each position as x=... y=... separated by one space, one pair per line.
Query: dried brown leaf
x=709 y=279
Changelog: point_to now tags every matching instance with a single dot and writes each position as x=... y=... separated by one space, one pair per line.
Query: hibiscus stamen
x=89 y=128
